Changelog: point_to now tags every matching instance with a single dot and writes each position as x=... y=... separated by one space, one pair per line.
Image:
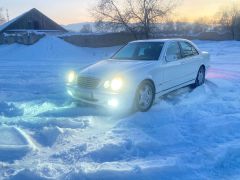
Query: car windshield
x=147 y=51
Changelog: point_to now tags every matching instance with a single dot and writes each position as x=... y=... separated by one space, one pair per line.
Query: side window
x=188 y=50
x=173 y=52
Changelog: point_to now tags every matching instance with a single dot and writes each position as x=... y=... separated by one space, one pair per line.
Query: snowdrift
x=14 y=143
x=189 y=134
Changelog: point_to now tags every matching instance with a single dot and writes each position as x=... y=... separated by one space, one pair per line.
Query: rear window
x=188 y=49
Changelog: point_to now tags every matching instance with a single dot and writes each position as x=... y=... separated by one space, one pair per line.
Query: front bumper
x=101 y=97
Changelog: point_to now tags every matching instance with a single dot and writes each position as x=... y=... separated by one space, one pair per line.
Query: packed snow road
x=188 y=134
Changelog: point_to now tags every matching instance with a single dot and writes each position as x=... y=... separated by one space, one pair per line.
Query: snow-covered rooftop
x=5 y=25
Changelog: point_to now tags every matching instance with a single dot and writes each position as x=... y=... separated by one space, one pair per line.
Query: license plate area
x=87 y=96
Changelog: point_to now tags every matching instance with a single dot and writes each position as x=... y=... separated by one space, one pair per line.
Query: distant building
x=32 y=20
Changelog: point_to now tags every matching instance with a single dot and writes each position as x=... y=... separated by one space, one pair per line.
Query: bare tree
x=229 y=19
x=2 y=18
x=202 y=24
x=134 y=16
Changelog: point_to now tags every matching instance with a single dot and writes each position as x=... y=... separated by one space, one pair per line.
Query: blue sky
x=73 y=11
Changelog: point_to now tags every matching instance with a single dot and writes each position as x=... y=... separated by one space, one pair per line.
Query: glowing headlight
x=72 y=77
x=116 y=84
x=113 y=103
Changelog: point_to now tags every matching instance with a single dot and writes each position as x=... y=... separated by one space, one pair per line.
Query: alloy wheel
x=145 y=97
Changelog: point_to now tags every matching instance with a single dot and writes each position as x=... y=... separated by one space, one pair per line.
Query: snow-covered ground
x=189 y=134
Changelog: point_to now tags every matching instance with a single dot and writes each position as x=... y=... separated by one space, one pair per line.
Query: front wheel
x=200 y=77
x=145 y=96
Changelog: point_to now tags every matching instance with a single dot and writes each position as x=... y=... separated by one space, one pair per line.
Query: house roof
x=6 y=25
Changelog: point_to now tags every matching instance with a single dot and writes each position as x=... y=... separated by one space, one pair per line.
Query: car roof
x=160 y=40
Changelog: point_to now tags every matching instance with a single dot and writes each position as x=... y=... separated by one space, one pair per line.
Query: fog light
x=72 y=77
x=113 y=102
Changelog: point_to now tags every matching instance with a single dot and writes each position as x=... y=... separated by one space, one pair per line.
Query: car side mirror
x=171 y=58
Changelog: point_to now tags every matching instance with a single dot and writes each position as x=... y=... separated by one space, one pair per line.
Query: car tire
x=145 y=96
x=200 y=79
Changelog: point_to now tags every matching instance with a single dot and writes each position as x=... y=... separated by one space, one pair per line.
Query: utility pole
x=7 y=15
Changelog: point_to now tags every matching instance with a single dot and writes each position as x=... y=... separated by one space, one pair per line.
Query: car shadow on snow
x=176 y=96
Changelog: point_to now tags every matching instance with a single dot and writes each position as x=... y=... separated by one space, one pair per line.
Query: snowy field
x=189 y=134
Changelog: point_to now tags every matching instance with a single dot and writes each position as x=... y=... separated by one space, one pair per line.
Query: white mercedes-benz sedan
x=139 y=73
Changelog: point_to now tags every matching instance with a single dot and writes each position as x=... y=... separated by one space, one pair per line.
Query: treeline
x=148 y=17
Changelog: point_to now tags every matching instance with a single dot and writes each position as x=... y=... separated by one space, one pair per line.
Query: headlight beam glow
x=113 y=103
x=71 y=77
x=116 y=84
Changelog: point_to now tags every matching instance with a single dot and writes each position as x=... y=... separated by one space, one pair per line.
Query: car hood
x=110 y=67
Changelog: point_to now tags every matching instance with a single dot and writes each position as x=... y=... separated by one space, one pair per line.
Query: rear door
x=190 y=60
x=172 y=67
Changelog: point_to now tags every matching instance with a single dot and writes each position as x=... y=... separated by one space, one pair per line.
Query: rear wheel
x=200 y=79
x=145 y=96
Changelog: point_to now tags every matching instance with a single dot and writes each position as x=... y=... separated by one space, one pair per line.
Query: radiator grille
x=88 y=82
